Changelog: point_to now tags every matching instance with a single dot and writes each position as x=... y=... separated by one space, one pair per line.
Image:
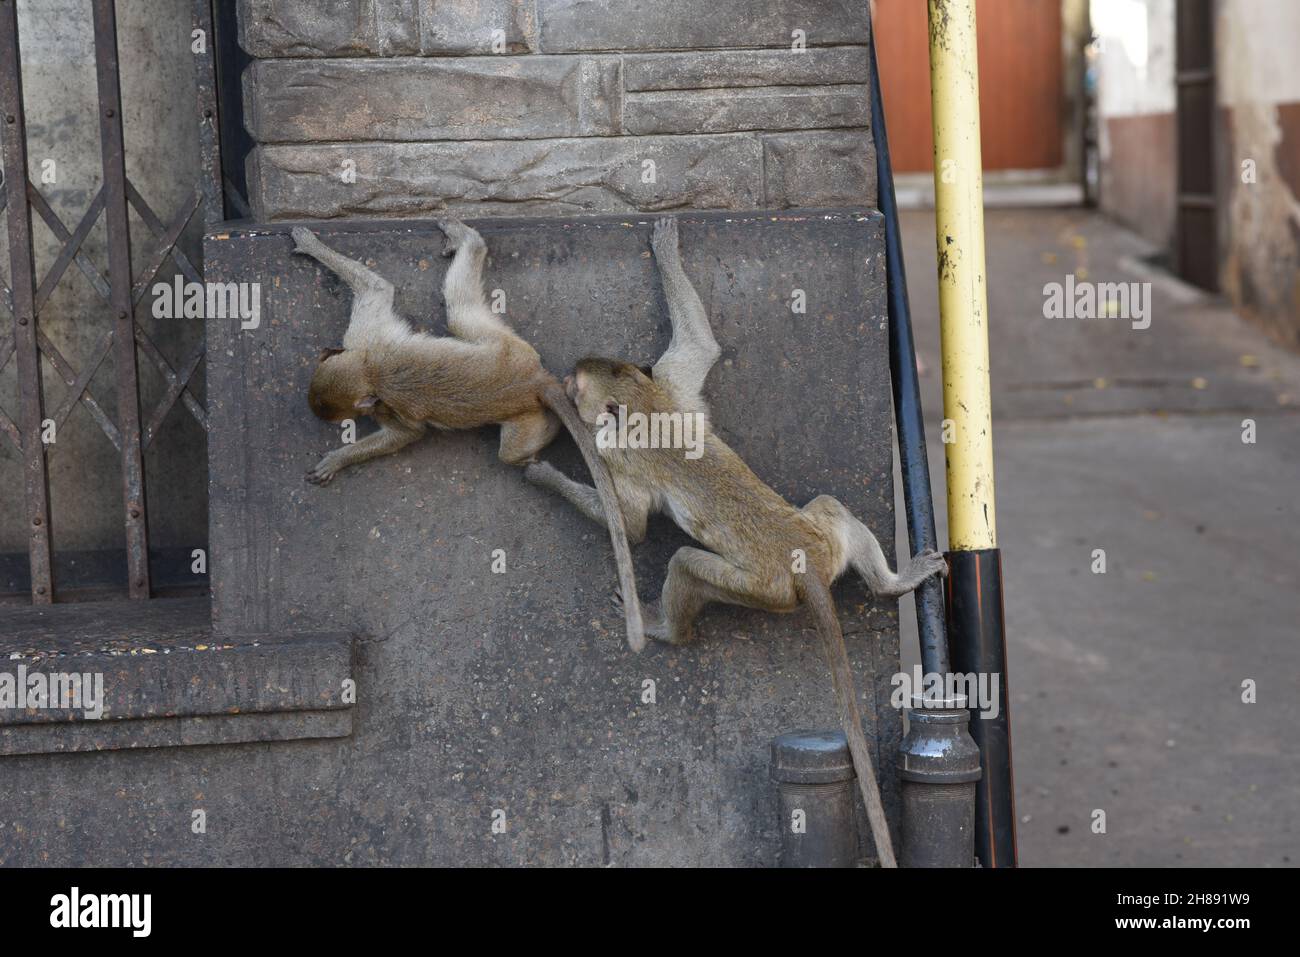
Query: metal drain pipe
x=940 y=761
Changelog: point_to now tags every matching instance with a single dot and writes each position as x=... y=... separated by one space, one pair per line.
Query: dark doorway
x=1196 y=254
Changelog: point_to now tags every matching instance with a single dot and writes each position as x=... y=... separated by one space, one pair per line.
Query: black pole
x=917 y=500
x=979 y=647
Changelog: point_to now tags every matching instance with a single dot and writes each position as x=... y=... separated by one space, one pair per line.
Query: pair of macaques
x=484 y=374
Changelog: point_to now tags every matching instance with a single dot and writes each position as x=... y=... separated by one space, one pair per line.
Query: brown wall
x=1139 y=185
x=1022 y=93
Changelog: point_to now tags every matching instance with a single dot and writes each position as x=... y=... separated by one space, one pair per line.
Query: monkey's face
x=336 y=392
x=600 y=386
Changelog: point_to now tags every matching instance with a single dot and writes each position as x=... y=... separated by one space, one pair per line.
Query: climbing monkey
x=761 y=552
x=482 y=374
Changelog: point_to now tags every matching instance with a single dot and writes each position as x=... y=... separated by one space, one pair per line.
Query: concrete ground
x=1127 y=687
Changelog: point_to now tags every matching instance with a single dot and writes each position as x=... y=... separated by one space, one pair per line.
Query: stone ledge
x=762 y=108
x=414 y=99
x=587 y=25
x=735 y=171
x=166 y=681
x=699 y=70
x=524 y=177
x=294 y=28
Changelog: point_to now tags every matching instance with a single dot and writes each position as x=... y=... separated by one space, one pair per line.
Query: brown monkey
x=482 y=374
x=763 y=552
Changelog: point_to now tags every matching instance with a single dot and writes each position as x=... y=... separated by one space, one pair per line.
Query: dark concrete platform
x=510 y=696
x=166 y=680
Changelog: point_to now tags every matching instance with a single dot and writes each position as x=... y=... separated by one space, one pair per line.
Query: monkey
x=753 y=539
x=482 y=374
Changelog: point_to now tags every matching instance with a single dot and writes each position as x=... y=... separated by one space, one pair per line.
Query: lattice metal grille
x=128 y=427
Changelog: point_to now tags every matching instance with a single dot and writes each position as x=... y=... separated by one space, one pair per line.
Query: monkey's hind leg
x=587 y=500
x=693 y=351
x=372 y=294
x=468 y=314
x=525 y=435
x=696 y=578
x=864 y=553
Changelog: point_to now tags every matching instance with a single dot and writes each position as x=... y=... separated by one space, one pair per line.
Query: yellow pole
x=963 y=296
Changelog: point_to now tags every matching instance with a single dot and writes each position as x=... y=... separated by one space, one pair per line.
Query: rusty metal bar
x=112 y=149
x=36 y=485
x=205 y=76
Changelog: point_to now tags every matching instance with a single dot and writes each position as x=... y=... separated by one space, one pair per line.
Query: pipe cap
x=811 y=757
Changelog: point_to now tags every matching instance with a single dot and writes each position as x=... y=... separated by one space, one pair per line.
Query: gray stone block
x=833 y=168
x=748 y=108
x=329 y=28
x=598 y=174
x=296 y=101
x=733 y=68
x=476 y=26
x=574 y=25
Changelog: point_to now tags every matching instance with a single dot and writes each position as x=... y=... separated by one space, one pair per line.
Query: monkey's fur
x=753 y=535
x=483 y=374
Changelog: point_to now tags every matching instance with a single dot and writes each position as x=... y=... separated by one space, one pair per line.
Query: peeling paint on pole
x=963 y=292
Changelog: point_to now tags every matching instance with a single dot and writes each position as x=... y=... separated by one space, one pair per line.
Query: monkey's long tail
x=817 y=597
x=554 y=398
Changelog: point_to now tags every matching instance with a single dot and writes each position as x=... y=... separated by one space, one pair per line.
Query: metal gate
x=129 y=427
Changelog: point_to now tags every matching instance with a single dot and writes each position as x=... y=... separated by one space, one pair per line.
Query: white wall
x=1258 y=51
x=1137 y=56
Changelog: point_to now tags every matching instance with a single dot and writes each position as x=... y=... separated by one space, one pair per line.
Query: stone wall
x=384 y=108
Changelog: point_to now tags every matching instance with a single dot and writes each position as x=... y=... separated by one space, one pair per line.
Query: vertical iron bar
x=119 y=274
x=22 y=272
x=205 y=75
x=917 y=499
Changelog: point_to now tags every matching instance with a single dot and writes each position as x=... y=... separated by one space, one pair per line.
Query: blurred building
x=1199 y=107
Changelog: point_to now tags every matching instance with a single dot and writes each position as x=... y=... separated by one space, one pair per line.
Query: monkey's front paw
x=926 y=564
x=542 y=474
x=665 y=234
x=656 y=625
x=324 y=471
x=303 y=239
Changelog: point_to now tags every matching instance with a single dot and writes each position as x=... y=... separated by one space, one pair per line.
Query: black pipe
x=917 y=501
x=979 y=647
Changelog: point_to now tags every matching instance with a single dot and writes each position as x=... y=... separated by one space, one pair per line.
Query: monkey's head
x=600 y=386
x=339 y=389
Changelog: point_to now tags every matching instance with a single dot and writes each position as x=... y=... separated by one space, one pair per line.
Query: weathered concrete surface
x=297 y=101
x=700 y=70
x=831 y=168
x=568 y=25
x=513 y=692
x=392 y=108
x=294 y=28
x=166 y=680
x=1127 y=687
x=748 y=108
x=571 y=176
x=291 y=28
x=329 y=28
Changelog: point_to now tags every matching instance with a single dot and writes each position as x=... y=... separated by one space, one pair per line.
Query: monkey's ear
x=326 y=353
x=366 y=403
